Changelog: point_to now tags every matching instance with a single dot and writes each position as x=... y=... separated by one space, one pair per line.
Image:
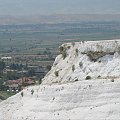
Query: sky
x=47 y=7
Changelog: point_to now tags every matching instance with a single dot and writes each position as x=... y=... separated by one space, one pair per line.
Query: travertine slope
x=98 y=59
x=66 y=94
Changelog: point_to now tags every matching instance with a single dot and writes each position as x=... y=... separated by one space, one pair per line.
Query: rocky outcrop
x=98 y=58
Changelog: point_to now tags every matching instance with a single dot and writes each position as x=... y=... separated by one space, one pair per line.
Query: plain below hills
x=56 y=18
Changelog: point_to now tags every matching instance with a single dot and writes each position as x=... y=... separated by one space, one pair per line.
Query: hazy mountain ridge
x=58 y=18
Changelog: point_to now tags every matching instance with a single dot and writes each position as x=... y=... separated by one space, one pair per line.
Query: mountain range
x=57 y=18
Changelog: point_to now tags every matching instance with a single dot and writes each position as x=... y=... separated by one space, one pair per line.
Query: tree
x=22 y=94
x=2 y=66
x=64 y=55
x=11 y=75
x=31 y=72
x=1 y=83
x=73 y=68
x=56 y=73
x=15 y=66
x=32 y=91
x=76 y=50
x=2 y=86
x=63 y=52
x=88 y=77
x=48 y=67
x=40 y=81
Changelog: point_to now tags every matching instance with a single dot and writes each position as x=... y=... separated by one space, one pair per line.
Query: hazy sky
x=31 y=7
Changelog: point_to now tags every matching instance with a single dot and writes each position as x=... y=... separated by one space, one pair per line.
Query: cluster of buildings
x=18 y=84
x=24 y=76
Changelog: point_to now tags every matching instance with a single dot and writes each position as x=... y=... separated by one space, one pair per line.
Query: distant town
x=19 y=71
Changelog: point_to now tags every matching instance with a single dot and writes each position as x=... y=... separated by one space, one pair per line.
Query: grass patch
x=4 y=95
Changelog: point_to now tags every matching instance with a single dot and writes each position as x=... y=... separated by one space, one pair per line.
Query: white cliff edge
x=83 y=84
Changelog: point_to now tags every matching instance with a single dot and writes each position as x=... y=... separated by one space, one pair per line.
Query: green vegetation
x=80 y=64
x=2 y=65
x=112 y=80
x=48 y=67
x=16 y=66
x=76 y=80
x=4 y=95
x=61 y=49
x=88 y=77
x=10 y=75
x=40 y=81
x=32 y=92
x=76 y=50
x=22 y=94
x=99 y=76
x=73 y=68
x=118 y=50
x=63 y=52
x=56 y=73
x=64 y=55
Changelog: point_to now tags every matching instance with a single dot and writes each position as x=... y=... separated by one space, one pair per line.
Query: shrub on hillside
x=88 y=77
x=48 y=67
x=99 y=76
x=56 y=73
x=76 y=50
x=73 y=68
x=64 y=54
x=61 y=49
x=40 y=81
x=22 y=94
x=112 y=80
x=118 y=50
x=80 y=64
x=76 y=80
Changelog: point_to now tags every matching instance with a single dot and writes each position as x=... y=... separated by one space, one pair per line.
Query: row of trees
x=2 y=66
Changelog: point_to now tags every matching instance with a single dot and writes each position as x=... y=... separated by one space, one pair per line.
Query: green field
x=33 y=39
x=4 y=95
